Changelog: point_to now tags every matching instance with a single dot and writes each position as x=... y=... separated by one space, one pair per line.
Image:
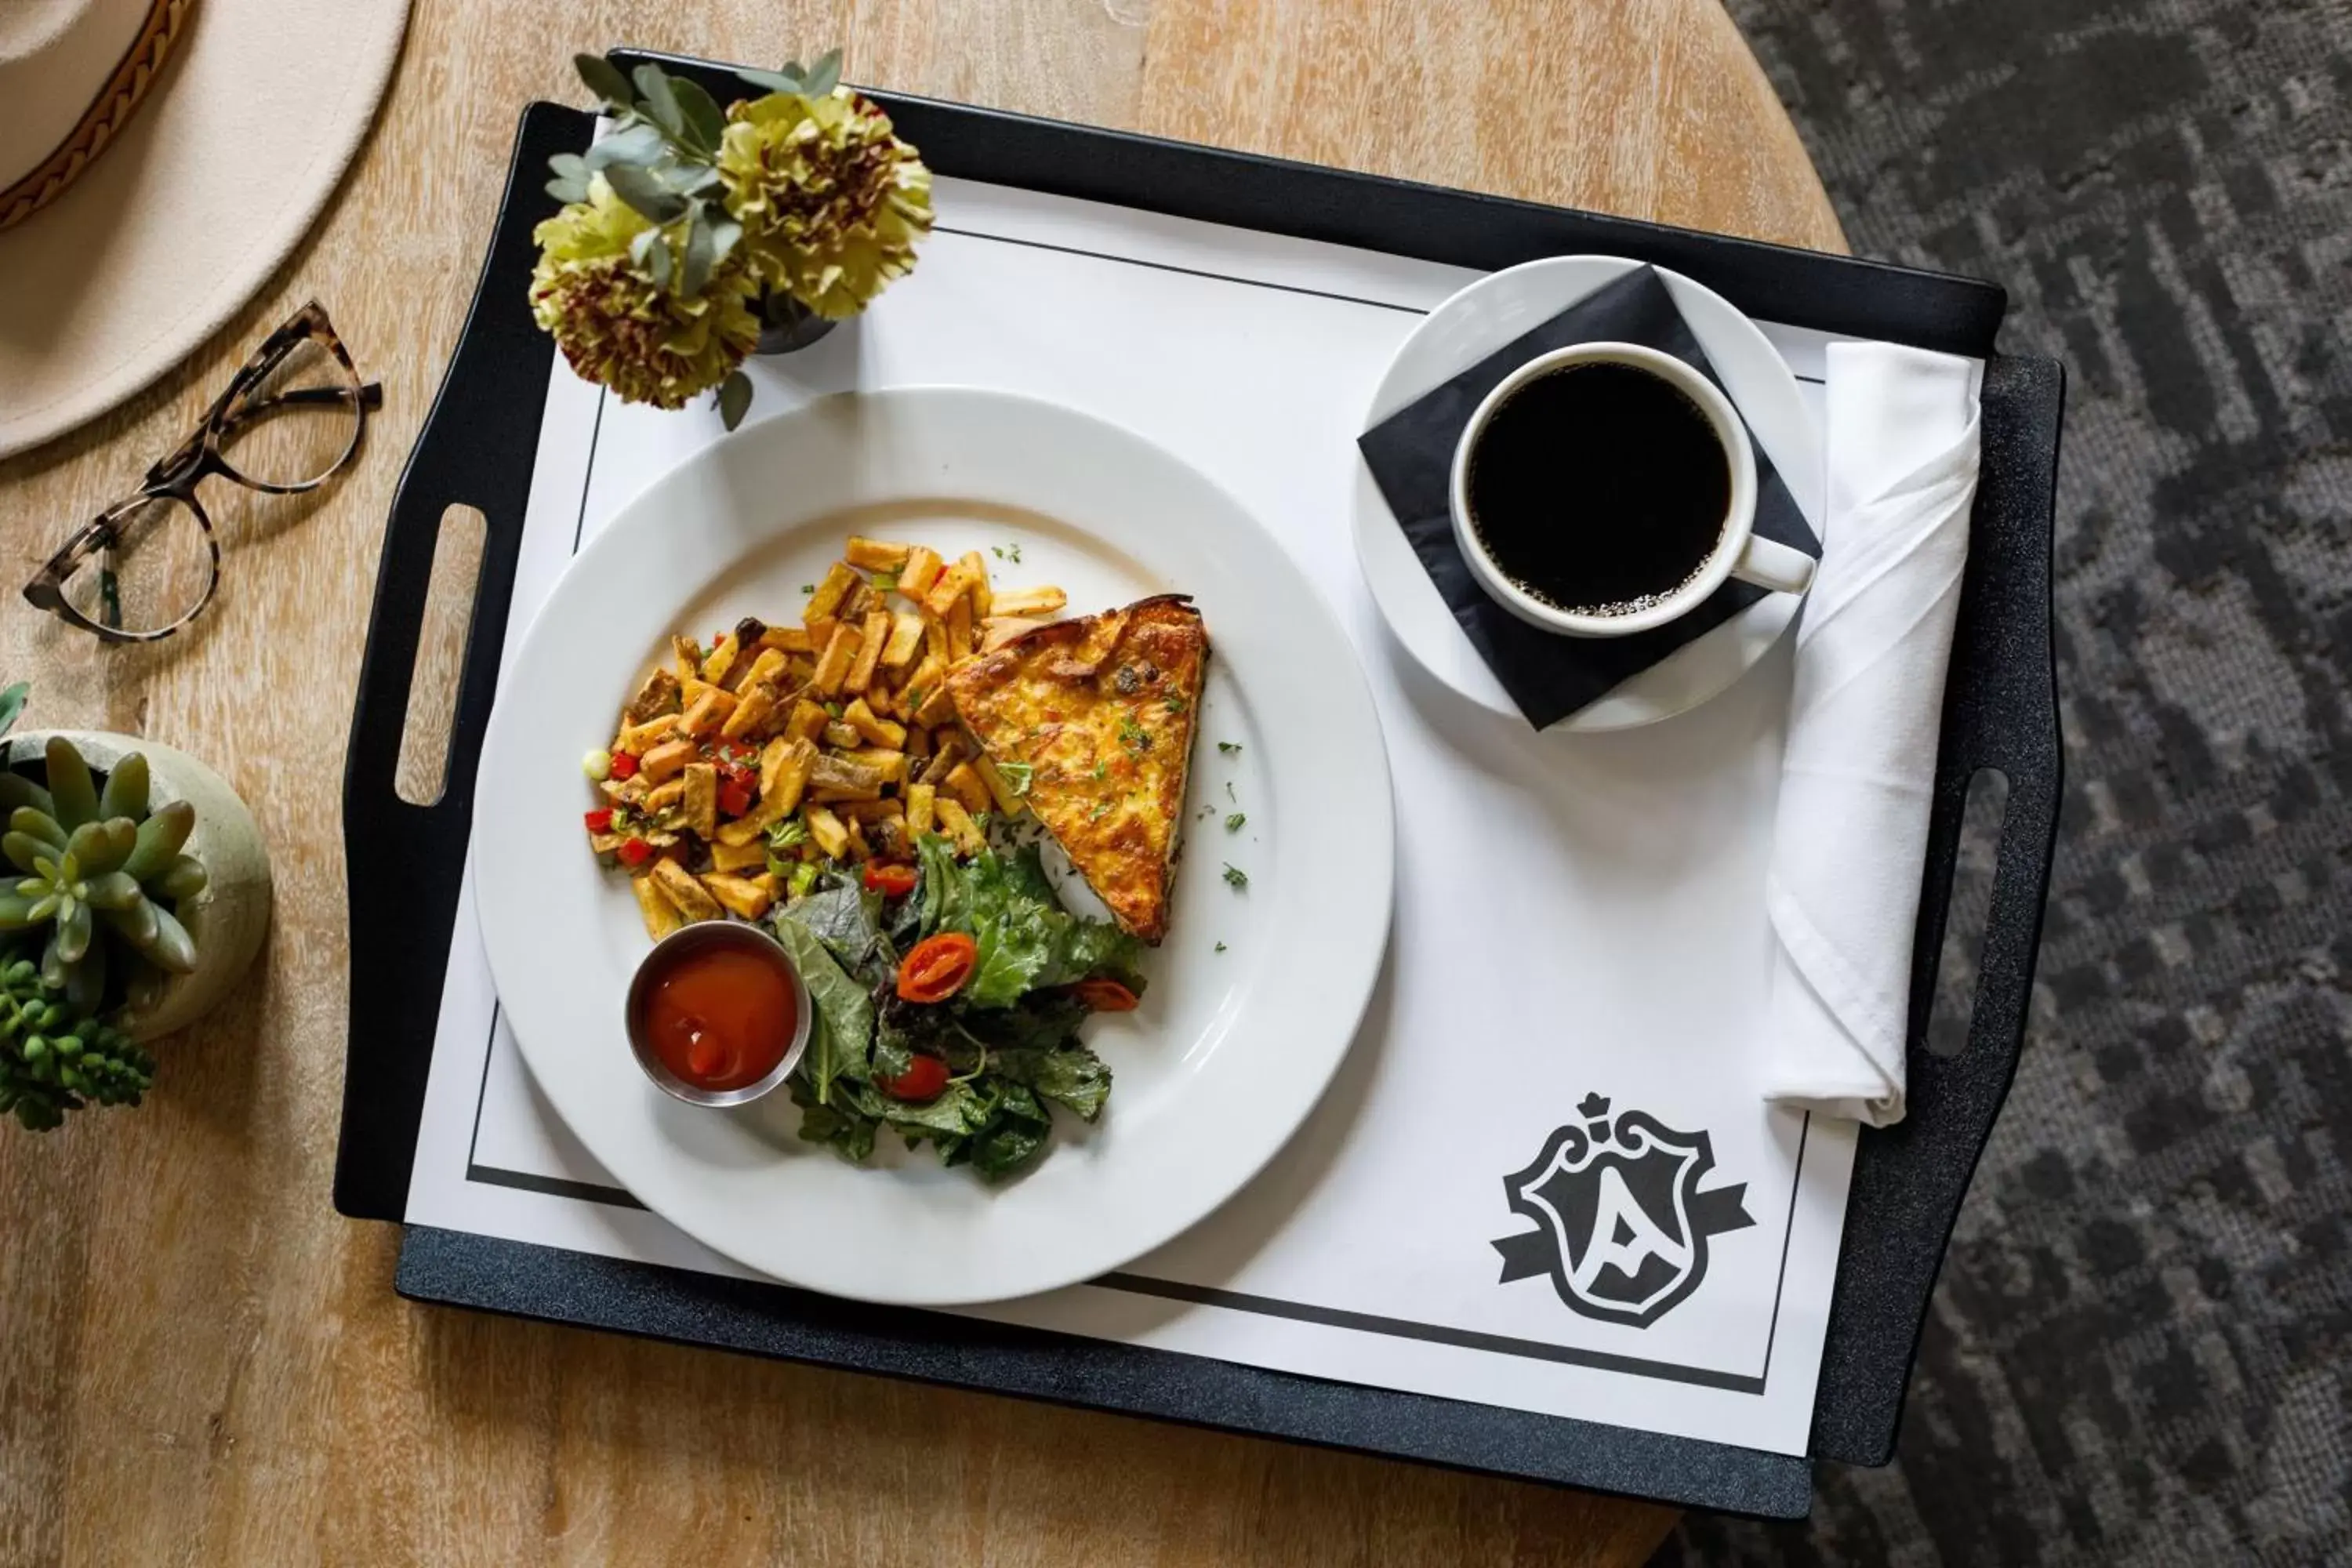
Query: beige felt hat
x=158 y=160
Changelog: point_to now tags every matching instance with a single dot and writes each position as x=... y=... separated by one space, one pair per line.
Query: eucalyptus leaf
x=787 y=80
x=660 y=98
x=565 y=190
x=734 y=399
x=693 y=179
x=603 y=79
x=639 y=145
x=642 y=191
x=725 y=235
x=569 y=166
x=824 y=76
x=700 y=253
x=657 y=265
x=641 y=247
x=705 y=121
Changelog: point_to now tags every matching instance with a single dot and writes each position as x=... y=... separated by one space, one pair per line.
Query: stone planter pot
x=231 y=916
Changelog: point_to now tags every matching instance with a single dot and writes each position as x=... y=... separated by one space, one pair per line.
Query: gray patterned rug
x=2140 y=1349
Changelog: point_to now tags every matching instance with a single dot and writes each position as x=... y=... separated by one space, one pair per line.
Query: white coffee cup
x=1737 y=552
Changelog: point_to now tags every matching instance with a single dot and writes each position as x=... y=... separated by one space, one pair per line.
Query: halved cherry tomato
x=1106 y=995
x=925 y=1078
x=936 y=967
x=599 y=820
x=891 y=882
x=734 y=799
x=624 y=765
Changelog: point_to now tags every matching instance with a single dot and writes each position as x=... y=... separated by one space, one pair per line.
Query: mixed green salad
x=948 y=1012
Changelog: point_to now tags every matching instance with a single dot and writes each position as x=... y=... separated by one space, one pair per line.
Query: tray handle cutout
x=451 y=592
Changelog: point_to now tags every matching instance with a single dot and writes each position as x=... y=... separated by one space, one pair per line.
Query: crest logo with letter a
x=1620 y=1226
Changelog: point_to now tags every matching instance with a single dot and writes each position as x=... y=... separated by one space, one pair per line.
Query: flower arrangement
x=688 y=229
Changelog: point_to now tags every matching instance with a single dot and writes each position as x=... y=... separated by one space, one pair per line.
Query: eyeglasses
x=289 y=420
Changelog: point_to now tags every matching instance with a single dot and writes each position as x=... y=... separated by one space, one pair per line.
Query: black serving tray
x=2001 y=714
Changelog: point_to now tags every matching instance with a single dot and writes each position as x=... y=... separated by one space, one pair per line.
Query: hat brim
x=187 y=214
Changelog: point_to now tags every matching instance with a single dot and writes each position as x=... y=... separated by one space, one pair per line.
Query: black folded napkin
x=1411 y=456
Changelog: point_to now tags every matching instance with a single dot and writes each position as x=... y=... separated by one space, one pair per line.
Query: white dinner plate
x=1253 y=999
x=1481 y=318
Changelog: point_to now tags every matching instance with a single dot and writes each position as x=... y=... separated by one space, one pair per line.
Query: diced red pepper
x=624 y=765
x=635 y=853
x=600 y=820
x=734 y=799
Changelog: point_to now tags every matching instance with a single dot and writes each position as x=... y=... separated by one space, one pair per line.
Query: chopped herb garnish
x=808 y=587
x=1221 y=947
x=1101 y=768
x=1006 y=553
x=789 y=834
x=885 y=581
x=1175 y=703
x=1229 y=747
x=1233 y=823
x=1235 y=875
x=1229 y=793
x=1101 y=810
x=1131 y=735
x=1017 y=776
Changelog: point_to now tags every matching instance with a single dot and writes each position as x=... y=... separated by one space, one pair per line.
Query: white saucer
x=1481 y=318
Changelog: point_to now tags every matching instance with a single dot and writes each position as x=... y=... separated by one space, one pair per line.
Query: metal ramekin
x=694 y=939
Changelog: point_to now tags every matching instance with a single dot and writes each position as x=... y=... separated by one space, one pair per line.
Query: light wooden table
x=200 y=1362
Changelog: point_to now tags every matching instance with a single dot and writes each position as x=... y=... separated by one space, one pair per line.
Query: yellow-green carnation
x=615 y=326
x=831 y=201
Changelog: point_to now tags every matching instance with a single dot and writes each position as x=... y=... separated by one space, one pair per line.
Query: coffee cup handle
x=1772 y=565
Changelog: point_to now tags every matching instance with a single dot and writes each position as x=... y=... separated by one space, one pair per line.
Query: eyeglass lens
x=297 y=424
x=154 y=574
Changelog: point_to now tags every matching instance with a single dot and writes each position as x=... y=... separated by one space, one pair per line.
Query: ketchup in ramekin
x=716 y=1012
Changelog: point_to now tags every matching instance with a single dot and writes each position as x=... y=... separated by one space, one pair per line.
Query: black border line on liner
x=1171 y=1290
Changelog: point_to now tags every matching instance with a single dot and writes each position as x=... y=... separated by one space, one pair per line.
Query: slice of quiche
x=1096 y=716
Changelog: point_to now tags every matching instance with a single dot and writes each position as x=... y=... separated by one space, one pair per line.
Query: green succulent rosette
x=616 y=326
x=831 y=201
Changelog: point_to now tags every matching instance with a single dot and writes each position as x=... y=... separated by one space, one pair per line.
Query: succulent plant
x=51 y=1063
x=103 y=877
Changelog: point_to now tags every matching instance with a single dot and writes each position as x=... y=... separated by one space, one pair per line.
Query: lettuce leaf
x=841 y=1035
x=1027 y=941
x=1068 y=1074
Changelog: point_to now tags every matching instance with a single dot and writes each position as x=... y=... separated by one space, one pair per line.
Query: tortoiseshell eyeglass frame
x=199 y=456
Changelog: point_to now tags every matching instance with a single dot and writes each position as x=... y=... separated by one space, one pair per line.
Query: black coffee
x=1600 y=489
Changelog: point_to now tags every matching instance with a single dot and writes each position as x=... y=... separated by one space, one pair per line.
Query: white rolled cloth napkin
x=1850 y=839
